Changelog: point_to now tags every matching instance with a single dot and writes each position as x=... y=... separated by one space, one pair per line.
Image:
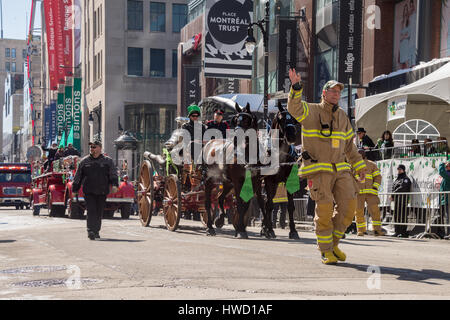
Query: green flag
x=70 y=136
x=247 y=187
x=293 y=182
x=76 y=119
x=62 y=142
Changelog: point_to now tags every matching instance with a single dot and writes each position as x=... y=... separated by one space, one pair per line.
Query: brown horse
x=230 y=174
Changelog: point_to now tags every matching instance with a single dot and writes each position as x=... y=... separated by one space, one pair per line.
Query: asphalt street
x=52 y=258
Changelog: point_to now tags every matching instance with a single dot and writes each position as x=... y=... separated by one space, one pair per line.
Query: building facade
x=129 y=69
x=13 y=54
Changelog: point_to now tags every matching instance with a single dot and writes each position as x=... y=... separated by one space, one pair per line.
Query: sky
x=16 y=18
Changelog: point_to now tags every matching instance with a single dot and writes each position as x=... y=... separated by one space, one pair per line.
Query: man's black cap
x=361 y=130
x=96 y=142
x=401 y=167
x=219 y=110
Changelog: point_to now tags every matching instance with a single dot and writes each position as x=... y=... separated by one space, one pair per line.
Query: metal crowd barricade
x=430 y=209
x=300 y=212
x=431 y=149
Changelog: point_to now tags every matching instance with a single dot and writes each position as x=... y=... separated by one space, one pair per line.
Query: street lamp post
x=250 y=45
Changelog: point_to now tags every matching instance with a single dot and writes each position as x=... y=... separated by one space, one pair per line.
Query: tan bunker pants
x=327 y=189
x=372 y=206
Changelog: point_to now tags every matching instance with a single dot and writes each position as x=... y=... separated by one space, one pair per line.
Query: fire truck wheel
x=36 y=209
x=17 y=207
x=125 y=211
x=74 y=211
x=108 y=214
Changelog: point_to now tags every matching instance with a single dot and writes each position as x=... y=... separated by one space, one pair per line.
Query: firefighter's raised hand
x=294 y=76
x=362 y=175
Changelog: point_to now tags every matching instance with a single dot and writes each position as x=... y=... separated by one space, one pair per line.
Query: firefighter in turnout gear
x=327 y=140
x=368 y=193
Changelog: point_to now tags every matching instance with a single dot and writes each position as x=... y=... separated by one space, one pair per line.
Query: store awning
x=435 y=87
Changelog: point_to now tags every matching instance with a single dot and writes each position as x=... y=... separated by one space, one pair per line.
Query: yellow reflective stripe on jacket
x=369 y=176
x=359 y=165
x=376 y=173
x=343 y=166
x=314 y=133
x=361 y=225
x=293 y=94
x=368 y=191
x=305 y=112
x=324 y=239
x=376 y=223
x=377 y=185
x=278 y=200
x=316 y=167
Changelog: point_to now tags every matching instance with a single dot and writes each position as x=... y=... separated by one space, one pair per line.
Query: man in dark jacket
x=218 y=122
x=71 y=151
x=366 y=143
x=401 y=185
x=96 y=172
x=194 y=115
x=59 y=154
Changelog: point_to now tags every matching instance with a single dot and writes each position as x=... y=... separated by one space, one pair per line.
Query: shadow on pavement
x=7 y=241
x=119 y=240
x=404 y=274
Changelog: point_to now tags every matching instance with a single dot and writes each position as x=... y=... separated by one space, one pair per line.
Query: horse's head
x=244 y=118
x=287 y=125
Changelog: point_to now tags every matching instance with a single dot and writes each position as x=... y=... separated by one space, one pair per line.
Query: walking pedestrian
x=280 y=204
x=368 y=193
x=96 y=173
x=401 y=185
x=444 y=172
x=327 y=142
x=366 y=143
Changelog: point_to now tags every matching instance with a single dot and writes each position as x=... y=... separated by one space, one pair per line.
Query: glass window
x=174 y=63
x=158 y=16
x=7 y=66
x=179 y=17
x=24 y=53
x=13 y=53
x=157 y=63
x=13 y=67
x=135 y=15
x=7 y=52
x=135 y=60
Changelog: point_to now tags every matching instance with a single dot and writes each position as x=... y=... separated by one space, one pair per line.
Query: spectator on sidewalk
x=442 y=146
x=366 y=143
x=385 y=142
x=414 y=151
x=71 y=151
x=401 y=185
x=444 y=172
x=428 y=148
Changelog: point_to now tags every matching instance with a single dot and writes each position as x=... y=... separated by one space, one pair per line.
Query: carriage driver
x=327 y=143
x=194 y=115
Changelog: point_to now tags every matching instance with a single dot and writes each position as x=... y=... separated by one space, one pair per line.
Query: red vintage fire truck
x=15 y=184
x=53 y=190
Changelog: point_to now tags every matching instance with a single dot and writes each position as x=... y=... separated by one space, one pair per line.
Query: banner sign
x=424 y=175
x=66 y=7
x=287 y=52
x=47 y=124
x=226 y=24
x=51 y=42
x=60 y=115
x=68 y=109
x=396 y=108
x=77 y=32
x=192 y=86
x=349 y=41
x=52 y=121
x=77 y=113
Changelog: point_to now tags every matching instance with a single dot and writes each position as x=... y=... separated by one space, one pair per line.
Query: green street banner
x=60 y=116
x=68 y=108
x=76 y=121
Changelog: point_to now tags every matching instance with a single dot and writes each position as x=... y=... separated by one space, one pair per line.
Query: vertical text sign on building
x=67 y=36
x=287 y=52
x=226 y=25
x=68 y=109
x=60 y=115
x=192 y=85
x=77 y=113
x=350 y=37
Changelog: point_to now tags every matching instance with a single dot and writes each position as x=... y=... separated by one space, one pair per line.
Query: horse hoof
x=219 y=222
x=272 y=234
x=210 y=232
x=294 y=235
x=242 y=235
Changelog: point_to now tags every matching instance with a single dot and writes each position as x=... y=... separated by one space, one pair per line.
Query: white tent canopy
x=433 y=87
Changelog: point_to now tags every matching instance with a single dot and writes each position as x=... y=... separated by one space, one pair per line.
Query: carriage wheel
x=145 y=193
x=172 y=202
